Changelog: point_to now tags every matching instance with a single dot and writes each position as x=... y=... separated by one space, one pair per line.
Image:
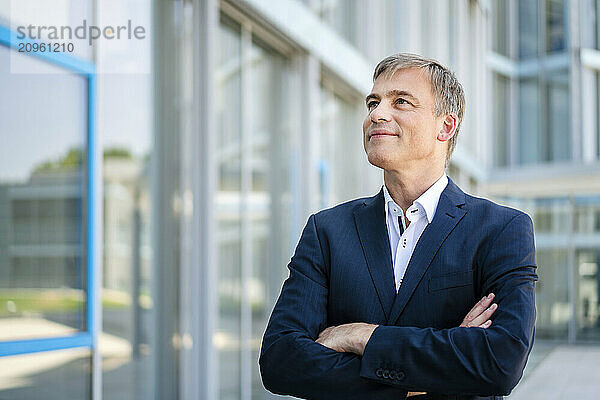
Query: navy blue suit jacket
x=342 y=272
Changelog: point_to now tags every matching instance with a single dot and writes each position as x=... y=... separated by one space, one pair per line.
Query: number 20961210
x=46 y=47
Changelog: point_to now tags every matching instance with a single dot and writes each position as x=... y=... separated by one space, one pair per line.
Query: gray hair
x=448 y=93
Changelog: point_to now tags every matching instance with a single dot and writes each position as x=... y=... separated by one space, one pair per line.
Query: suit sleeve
x=469 y=360
x=291 y=362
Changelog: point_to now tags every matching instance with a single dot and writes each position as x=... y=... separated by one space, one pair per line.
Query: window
x=253 y=200
x=530 y=141
x=500 y=28
x=528 y=28
x=501 y=122
x=556 y=26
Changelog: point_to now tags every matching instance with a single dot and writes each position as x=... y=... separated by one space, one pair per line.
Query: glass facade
x=556 y=25
x=125 y=124
x=285 y=115
x=552 y=295
x=567 y=230
x=253 y=200
x=500 y=28
x=543 y=83
x=42 y=251
x=528 y=28
x=501 y=122
x=340 y=121
x=530 y=129
x=59 y=374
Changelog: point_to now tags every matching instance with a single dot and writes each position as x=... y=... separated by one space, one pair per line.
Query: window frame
x=86 y=338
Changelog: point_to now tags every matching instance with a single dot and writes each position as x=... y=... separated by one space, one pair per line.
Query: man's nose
x=380 y=114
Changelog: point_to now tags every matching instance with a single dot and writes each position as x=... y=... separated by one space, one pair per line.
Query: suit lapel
x=448 y=213
x=372 y=232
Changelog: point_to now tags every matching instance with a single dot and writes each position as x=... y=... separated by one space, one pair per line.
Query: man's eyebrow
x=371 y=96
x=393 y=93
x=402 y=93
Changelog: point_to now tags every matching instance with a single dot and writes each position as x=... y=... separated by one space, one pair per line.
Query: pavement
x=558 y=371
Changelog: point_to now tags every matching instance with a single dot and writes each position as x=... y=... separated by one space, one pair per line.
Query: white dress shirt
x=403 y=240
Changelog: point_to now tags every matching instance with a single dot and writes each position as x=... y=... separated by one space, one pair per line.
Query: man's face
x=400 y=128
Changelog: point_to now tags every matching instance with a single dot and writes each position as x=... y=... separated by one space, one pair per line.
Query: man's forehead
x=413 y=80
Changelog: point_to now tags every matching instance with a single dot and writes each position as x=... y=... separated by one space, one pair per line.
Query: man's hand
x=479 y=316
x=353 y=338
x=349 y=338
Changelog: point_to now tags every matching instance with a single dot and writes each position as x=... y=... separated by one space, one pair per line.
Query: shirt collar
x=428 y=200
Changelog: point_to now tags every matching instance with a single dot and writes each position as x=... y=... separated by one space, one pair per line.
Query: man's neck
x=405 y=187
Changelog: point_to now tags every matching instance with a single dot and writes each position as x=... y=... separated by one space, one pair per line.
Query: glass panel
x=342 y=16
x=127 y=275
x=588 y=294
x=125 y=123
x=559 y=142
x=227 y=338
x=500 y=27
x=528 y=28
x=340 y=148
x=556 y=33
x=587 y=214
x=598 y=114
x=529 y=122
x=268 y=201
x=501 y=119
x=589 y=27
x=552 y=300
x=51 y=375
x=551 y=216
x=42 y=200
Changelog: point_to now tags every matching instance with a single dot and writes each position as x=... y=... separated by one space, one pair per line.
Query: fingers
x=484 y=316
x=482 y=307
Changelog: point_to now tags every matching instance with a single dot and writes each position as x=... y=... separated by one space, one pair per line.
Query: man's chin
x=380 y=160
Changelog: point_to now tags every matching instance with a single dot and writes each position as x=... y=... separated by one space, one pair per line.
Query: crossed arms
x=456 y=360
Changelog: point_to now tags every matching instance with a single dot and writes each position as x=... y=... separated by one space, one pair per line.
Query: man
x=378 y=286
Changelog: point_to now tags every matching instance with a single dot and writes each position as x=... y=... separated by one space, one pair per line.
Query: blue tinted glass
x=42 y=255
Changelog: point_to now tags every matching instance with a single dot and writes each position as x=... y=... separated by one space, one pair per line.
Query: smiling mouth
x=381 y=134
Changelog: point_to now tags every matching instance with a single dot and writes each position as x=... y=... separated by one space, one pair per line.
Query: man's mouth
x=380 y=133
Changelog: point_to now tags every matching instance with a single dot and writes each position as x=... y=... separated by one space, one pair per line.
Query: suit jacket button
x=379 y=373
x=386 y=374
x=400 y=375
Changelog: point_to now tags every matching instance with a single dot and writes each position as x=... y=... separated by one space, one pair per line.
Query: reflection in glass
x=340 y=148
x=126 y=287
x=559 y=141
x=528 y=28
x=588 y=294
x=268 y=200
x=587 y=215
x=598 y=114
x=341 y=15
x=42 y=200
x=500 y=27
x=51 y=375
x=227 y=338
x=501 y=119
x=551 y=216
x=253 y=204
x=530 y=140
x=552 y=300
x=556 y=34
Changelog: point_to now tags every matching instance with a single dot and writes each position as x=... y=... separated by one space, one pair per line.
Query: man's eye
x=401 y=101
x=371 y=105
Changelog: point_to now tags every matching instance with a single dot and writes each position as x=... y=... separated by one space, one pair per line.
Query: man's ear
x=448 y=128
